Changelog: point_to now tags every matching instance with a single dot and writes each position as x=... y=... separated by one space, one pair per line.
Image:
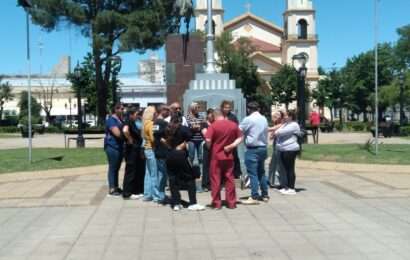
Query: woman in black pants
x=288 y=148
x=178 y=168
x=133 y=186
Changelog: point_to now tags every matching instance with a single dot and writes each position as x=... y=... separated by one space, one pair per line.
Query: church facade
x=274 y=45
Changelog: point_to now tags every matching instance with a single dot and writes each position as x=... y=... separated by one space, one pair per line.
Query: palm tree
x=5 y=96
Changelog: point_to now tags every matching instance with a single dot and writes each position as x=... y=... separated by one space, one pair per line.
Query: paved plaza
x=57 y=140
x=341 y=212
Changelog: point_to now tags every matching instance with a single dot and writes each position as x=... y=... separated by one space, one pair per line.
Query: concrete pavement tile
x=158 y=255
x=233 y=252
x=200 y=254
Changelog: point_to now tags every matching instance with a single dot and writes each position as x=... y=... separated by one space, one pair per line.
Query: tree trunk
x=331 y=114
x=1 y=112
x=100 y=86
x=340 y=116
x=48 y=116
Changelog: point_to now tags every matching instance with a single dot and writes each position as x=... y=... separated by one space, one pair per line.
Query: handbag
x=195 y=169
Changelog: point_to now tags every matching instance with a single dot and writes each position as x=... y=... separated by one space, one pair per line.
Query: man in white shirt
x=176 y=108
x=255 y=130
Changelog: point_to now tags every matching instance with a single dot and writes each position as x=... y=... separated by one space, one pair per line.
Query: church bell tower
x=201 y=15
x=300 y=34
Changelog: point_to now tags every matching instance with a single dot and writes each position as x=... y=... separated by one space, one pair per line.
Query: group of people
x=163 y=148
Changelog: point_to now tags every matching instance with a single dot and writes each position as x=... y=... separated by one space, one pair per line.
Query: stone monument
x=209 y=89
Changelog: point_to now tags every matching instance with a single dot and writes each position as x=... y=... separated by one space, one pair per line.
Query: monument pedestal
x=210 y=90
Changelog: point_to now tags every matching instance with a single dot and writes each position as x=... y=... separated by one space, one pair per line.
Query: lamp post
x=401 y=81
x=302 y=59
x=26 y=4
x=71 y=120
x=114 y=79
x=80 y=137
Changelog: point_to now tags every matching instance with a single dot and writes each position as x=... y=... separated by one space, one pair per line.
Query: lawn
x=351 y=153
x=6 y=135
x=16 y=160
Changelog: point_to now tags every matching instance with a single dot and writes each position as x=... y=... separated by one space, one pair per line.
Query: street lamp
x=80 y=137
x=26 y=4
x=302 y=59
x=118 y=60
x=401 y=81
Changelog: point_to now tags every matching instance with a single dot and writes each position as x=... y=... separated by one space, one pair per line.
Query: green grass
x=6 y=135
x=351 y=153
x=16 y=160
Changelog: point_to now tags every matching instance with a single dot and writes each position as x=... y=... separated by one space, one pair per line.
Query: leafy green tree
x=284 y=86
x=331 y=93
x=113 y=26
x=358 y=77
x=234 y=59
x=23 y=106
x=5 y=95
x=403 y=46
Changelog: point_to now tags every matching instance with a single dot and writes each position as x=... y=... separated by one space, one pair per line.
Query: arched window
x=302 y=29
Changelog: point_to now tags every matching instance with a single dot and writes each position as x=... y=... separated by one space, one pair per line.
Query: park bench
x=72 y=134
x=386 y=129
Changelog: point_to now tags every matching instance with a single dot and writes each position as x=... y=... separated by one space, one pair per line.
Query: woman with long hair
x=133 y=185
x=151 y=183
x=179 y=170
x=288 y=148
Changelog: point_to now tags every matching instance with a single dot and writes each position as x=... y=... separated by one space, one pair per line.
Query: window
x=302 y=29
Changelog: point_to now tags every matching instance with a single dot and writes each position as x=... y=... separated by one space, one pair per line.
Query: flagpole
x=376 y=73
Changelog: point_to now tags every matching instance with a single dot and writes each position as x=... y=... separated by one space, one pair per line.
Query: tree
x=234 y=59
x=284 y=86
x=358 y=77
x=113 y=27
x=46 y=96
x=5 y=95
x=23 y=106
x=330 y=93
x=403 y=46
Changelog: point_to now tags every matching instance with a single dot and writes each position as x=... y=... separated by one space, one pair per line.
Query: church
x=274 y=45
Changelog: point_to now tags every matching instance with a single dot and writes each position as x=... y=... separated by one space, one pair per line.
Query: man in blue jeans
x=255 y=130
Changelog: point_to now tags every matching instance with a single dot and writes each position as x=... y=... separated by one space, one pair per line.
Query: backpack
x=300 y=135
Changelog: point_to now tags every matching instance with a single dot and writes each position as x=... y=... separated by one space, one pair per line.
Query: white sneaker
x=283 y=190
x=290 y=192
x=134 y=197
x=196 y=207
x=250 y=201
x=177 y=208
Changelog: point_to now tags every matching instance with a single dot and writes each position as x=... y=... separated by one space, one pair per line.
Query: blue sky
x=345 y=28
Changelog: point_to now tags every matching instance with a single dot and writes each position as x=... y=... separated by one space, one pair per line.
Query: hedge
x=9 y=129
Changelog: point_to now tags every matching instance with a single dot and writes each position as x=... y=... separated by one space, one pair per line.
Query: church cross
x=248 y=7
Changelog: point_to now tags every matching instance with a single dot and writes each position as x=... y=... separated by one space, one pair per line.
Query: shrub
x=405 y=130
x=357 y=126
x=9 y=129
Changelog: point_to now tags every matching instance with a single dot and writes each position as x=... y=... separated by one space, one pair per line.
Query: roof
x=254 y=18
x=265 y=58
x=262 y=46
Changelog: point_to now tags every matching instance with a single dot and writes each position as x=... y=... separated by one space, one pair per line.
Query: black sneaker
x=114 y=193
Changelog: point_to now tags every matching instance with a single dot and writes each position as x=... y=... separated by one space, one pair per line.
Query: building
x=152 y=70
x=141 y=93
x=54 y=91
x=274 y=45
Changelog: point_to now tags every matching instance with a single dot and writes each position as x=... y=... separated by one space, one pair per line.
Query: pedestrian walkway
x=350 y=212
